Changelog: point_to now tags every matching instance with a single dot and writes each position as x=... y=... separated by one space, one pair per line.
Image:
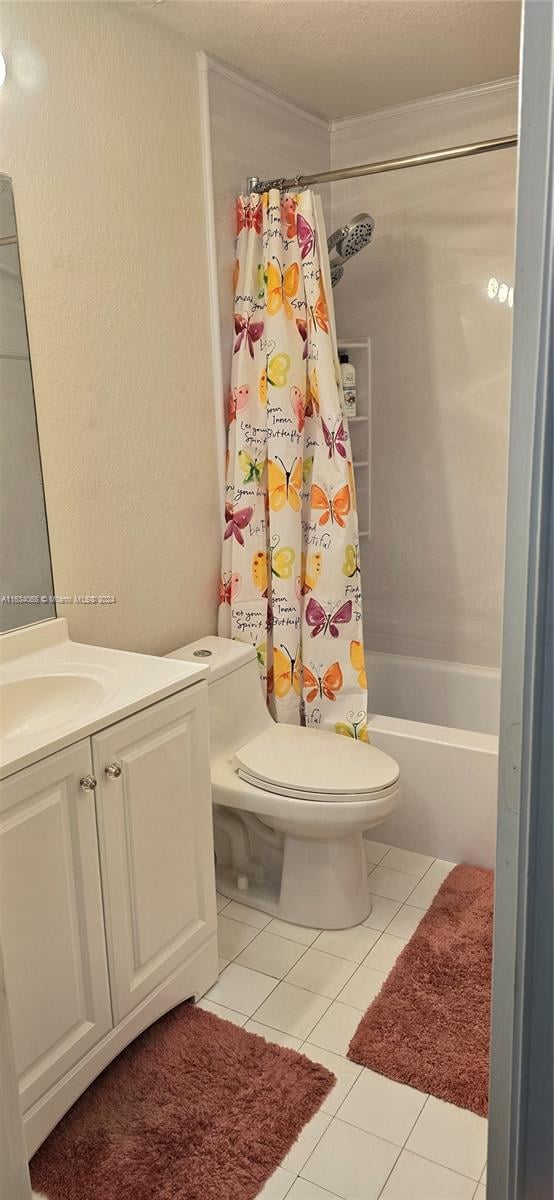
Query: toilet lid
x=311 y=761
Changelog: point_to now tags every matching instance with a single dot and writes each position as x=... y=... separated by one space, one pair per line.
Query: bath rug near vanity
x=429 y=1025
x=194 y=1109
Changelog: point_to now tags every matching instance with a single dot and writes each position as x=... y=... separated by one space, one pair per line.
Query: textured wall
x=433 y=569
x=100 y=132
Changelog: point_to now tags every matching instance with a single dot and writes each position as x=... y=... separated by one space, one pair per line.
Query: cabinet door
x=155 y=829
x=51 y=918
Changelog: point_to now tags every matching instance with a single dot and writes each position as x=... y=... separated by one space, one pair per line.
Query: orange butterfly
x=282 y=286
x=286 y=672
x=284 y=486
x=334 y=509
x=358 y=662
x=288 y=215
x=328 y=684
x=319 y=311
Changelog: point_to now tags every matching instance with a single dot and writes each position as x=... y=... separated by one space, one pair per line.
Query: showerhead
x=349 y=241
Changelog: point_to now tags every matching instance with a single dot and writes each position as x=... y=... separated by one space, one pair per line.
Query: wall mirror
x=25 y=569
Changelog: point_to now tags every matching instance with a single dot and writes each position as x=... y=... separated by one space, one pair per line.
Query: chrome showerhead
x=349 y=241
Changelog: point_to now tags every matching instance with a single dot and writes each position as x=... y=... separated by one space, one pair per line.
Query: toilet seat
x=308 y=764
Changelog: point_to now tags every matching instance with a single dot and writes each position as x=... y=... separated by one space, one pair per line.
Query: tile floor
x=308 y=988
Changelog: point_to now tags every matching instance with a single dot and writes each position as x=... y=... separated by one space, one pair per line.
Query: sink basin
x=38 y=702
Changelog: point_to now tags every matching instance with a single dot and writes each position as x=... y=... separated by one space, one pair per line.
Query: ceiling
x=340 y=57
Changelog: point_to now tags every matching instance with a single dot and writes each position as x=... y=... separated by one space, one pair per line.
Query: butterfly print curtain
x=290 y=580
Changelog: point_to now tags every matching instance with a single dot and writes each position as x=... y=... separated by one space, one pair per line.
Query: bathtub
x=440 y=722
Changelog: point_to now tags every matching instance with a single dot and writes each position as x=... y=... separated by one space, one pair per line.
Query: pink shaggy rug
x=194 y=1109
x=429 y=1025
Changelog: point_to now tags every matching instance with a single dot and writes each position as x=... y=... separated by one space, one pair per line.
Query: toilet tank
x=237 y=706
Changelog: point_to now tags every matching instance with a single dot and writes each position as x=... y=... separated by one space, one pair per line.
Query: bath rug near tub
x=429 y=1026
x=194 y=1109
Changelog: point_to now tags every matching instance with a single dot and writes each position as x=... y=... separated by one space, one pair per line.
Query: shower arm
x=254 y=184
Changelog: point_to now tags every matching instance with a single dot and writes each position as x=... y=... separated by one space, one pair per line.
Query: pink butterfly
x=303 y=331
x=334 y=440
x=322 y=622
x=238 y=401
x=247 y=331
x=229 y=587
x=306 y=236
x=237 y=519
x=298 y=406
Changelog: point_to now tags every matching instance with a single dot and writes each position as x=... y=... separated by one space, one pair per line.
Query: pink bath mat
x=194 y=1109
x=429 y=1025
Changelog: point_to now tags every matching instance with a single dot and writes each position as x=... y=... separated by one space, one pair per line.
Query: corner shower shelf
x=359 y=354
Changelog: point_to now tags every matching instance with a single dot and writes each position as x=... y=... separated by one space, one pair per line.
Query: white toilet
x=290 y=803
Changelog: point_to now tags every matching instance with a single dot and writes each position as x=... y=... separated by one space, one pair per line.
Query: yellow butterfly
x=275 y=373
x=311 y=570
x=355 y=727
x=281 y=287
x=307 y=469
x=351 y=564
x=284 y=485
x=252 y=469
x=281 y=562
x=287 y=672
x=358 y=662
x=312 y=397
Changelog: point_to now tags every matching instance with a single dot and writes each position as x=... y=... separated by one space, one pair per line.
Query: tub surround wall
x=100 y=133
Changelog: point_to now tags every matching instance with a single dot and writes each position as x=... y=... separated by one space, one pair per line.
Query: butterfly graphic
x=298 y=406
x=281 y=562
x=335 y=438
x=307 y=468
x=306 y=236
x=351 y=564
x=238 y=401
x=284 y=486
x=275 y=372
x=319 y=310
x=249 y=216
x=324 y=622
x=237 y=519
x=229 y=587
x=282 y=286
x=247 y=331
x=287 y=672
x=317 y=685
x=288 y=215
x=310 y=571
x=358 y=662
x=302 y=328
x=252 y=469
x=355 y=726
x=312 y=397
x=334 y=509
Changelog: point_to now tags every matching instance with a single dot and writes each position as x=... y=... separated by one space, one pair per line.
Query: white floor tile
x=451 y=1136
x=232 y=937
x=227 y=1014
x=302 y=1189
x=385 y=952
x=363 y=986
x=383 y=1107
x=271 y=955
x=277 y=1186
x=352 y=944
x=306 y=1142
x=484 y=1175
x=350 y=1162
x=382 y=912
x=295 y=933
x=221 y=964
x=408 y=861
x=274 y=1035
x=406 y=921
x=336 y=1028
x=291 y=1009
x=375 y=851
x=322 y=973
x=249 y=916
x=480 y=1192
x=415 y=1178
x=392 y=885
x=221 y=901
x=425 y=891
x=346 y=1072
x=241 y=989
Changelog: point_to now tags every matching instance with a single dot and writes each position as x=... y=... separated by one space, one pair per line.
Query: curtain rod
x=254 y=184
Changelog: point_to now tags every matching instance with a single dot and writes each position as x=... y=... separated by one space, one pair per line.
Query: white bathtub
x=439 y=721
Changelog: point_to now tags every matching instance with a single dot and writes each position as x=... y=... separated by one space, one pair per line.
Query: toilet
x=290 y=803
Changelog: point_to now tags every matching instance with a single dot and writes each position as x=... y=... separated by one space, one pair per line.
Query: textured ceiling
x=340 y=57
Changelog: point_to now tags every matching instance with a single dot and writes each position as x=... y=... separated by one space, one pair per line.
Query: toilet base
x=323 y=883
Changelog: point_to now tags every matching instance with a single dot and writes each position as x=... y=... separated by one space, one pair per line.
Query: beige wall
x=100 y=132
x=433 y=570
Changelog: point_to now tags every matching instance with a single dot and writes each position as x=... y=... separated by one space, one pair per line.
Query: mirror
x=25 y=570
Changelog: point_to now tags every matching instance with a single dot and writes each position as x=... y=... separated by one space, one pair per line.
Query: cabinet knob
x=113 y=770
x=88 y=783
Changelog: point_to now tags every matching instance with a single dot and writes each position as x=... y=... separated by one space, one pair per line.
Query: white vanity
x=107 y=892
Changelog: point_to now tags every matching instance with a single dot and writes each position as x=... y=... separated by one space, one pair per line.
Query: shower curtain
x=290 y=580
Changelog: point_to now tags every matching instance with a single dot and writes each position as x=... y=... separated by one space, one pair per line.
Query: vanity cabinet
x=107 y=896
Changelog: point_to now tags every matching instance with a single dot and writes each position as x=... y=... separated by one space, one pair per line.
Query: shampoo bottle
x=348 y=376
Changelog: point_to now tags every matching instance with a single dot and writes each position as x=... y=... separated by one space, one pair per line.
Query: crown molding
x=261 y=91
x=481 y=91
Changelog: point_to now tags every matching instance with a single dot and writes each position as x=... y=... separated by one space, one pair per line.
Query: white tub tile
x=415 y=1178
x=292 y=1010
x=382 y=1106
x=352 y=944
x=350 y=1162
x=241 y=989
x=451 y=1136
x=362 y=987
x=336 y=1028
x=322 y=973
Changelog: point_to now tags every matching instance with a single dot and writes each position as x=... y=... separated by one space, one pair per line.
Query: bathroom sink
x=37 y=702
